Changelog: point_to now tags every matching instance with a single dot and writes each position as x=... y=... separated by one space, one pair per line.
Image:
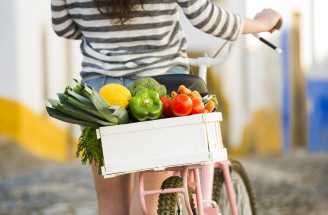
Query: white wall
x=8 y=76
x=319 y=65
x=30 y=51
x=28 y=28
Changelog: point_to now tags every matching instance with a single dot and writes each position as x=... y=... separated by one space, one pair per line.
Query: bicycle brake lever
x=278 y=50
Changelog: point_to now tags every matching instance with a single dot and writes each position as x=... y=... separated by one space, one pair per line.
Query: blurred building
x=34 y=64
x=271 y=103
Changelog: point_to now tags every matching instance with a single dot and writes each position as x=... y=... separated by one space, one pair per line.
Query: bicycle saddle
x=173 y=81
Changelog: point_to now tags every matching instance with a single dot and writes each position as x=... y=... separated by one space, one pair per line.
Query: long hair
x=121 y=9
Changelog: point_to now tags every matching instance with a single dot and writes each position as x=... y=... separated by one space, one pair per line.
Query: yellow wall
x=36 y=133
x=262 y=136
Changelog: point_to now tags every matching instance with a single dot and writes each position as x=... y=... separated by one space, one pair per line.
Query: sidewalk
x=31 y=186
x=286 y=185
x=53 y=189
x=290 y=185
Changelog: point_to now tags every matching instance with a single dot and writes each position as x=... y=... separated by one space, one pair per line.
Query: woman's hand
x=268 y=18
x=263 y=21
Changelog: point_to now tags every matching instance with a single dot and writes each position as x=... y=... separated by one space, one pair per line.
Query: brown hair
x=121 y=9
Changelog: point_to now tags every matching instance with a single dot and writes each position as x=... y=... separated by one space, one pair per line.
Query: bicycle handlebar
x=204 y=62
x=276 y=27
x=278 y=50
x=208 y=61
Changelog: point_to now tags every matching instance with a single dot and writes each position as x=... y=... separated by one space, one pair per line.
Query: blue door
x=317 y=92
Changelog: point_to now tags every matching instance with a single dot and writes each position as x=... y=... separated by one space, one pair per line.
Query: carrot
x=184 y=90
x=195 y=95
x=209 y=106
x=174 y=94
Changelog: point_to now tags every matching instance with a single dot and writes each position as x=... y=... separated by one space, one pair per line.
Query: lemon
x=116 y=94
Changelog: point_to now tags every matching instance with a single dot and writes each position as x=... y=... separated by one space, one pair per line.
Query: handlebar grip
x=278 y=25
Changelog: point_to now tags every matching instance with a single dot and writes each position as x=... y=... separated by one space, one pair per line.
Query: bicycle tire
x=171 y=203
x=243 y=192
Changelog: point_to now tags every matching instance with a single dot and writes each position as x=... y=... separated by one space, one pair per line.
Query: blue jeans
x=97 y=81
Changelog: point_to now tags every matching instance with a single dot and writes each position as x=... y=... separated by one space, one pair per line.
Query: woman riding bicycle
x=126 y=39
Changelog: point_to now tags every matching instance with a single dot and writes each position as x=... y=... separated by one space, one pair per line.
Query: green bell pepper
x=146 y=105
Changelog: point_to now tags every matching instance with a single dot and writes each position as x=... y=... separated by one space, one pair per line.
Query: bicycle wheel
x=244 y=194
x=174 y=203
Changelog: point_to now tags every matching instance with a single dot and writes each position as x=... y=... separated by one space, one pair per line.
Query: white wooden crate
x=158 y=144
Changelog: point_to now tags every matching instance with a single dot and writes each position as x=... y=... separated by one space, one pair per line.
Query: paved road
x=290 y=185
x=285 y=185
x=49 y=190
x=31 y=186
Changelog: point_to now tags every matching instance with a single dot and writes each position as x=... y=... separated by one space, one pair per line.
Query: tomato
x=181 y=105
x=197 y=106
x=166 y=106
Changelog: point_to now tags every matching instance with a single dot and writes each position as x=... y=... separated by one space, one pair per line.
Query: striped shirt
x=149 y=44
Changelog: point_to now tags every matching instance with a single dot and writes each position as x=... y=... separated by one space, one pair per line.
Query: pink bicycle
x=215 y=188
x=204 y=180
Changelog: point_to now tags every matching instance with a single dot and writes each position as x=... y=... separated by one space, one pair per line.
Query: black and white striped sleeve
x=62 y=23
x=212 y=19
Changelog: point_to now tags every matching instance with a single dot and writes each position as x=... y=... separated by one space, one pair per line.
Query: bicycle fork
x=207 y=187
x=224 y=165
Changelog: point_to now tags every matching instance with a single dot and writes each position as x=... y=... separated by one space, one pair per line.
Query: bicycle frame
x=203 y=183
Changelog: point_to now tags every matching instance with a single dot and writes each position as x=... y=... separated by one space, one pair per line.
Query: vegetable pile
x=186 y=102
x=144 y=100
